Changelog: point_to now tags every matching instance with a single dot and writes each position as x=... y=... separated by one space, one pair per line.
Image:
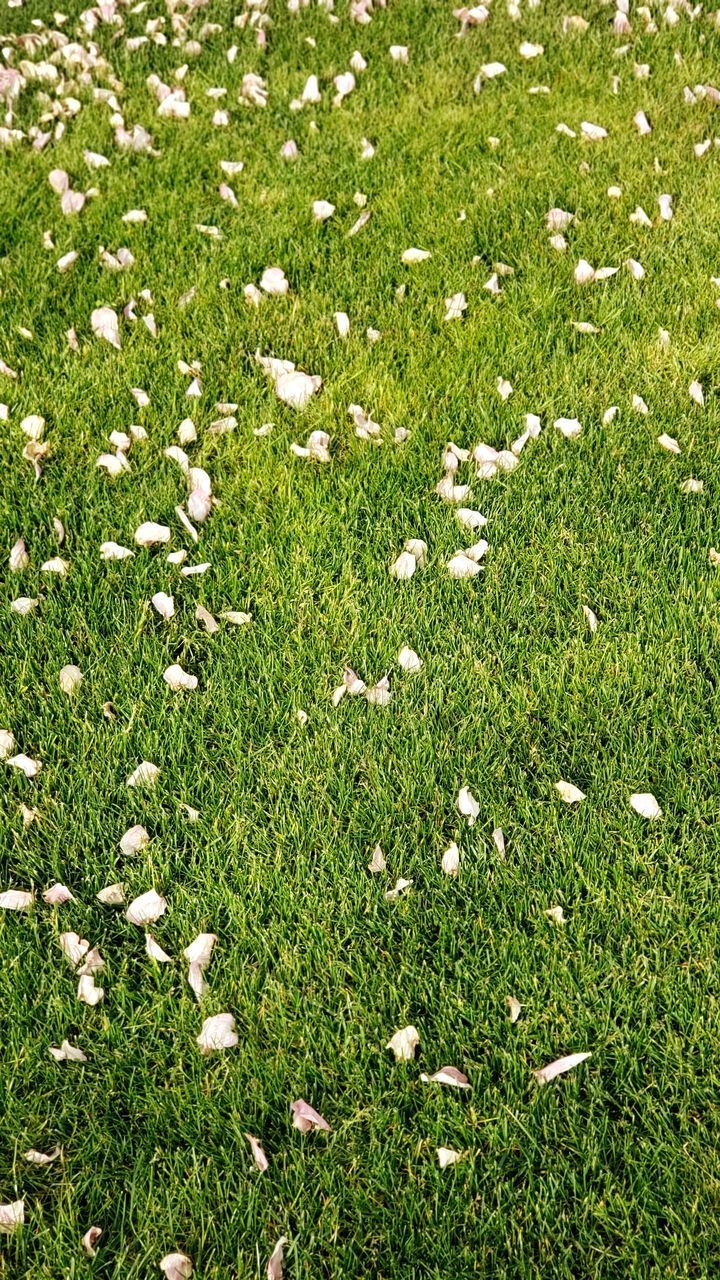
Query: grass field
x=611 y=1170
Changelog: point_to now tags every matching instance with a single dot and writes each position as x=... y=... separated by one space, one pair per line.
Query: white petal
x=113 y=551
x=461 y=566
x=646 y=805
x=297 y=388
x=451 y=860
x=404 y=1043
x=70 y=678
x=569 y=793
x=15 y=900
x=377 y=862
x=218 y=1032
x=67 y=1053
x=545 y=1074
x=40 y=1158
x=556 y=914
x=322 y=210
x=176 y=1266
x=404 y=567
x=409 y=660
x=146 y=909
x=467 y=805
x=447 y=1157
x=29 y=767
x=88 y=992
x=135 y=839
x=155 y=951
x=112 y=896
x=57 y=895
x=90 y=1239
x=146 y=775
x=696 y=393
x=105 y=324
x=514 y=1008
x=164 y=604
x=178 y=679
x=12 y=1217
x=411 y=256
x=149 y=533
x=667 y=442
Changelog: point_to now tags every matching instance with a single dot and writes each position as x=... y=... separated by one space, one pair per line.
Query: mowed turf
x=612 y=1170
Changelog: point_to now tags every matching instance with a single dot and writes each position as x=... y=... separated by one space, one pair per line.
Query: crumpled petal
x=12 y=1217
x=146 y=909
x=176 y=1266
x=218 y=1033
x=306 y=1117
x=404 y=1043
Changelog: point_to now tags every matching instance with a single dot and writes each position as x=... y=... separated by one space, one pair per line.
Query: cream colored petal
x=569 y=793
x=71 y=678
x=155 y=951
x=15 y=900
x=12 y=1217
x=646 y=805
x=146 y=909
x=146 y=775
x=217 y=1033
x=451 y=860
x=404 y=1043
x=176 y=1266
x=377 y=862
x=545 y=1074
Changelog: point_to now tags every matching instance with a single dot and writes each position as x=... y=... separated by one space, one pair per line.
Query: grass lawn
x=612 y=1169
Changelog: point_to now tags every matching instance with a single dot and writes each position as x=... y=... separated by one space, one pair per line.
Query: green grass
x=613 y=1170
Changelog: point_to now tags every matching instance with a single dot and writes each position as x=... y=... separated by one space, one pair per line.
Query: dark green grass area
x=613 y=1170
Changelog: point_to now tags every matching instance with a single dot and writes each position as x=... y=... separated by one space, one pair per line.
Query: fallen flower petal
x=377 y=862
x=258 y=1155
x=178 y=679
x=447 y=1075
x=57 y=895
x=90 y=1239
x=30 y=768
x=155 y=951
x=146 y=909
x=40 y=1158
x=275 y=1261
x=12 y=1217
x=105 y=324
x=306 y=1117
x=514 y=1008
x=146 y=775
x=88 y=993
x=451 y=860
x=646 y=805
x=67 y=1053
x=71 y=678
x=447 y=1157
x=176 y=1266
x=15 y=900
x=556 y=914
x=569 y=793
x=467 y=805
x=404 y=1043
x=218 y=1033
x=558 y=1068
